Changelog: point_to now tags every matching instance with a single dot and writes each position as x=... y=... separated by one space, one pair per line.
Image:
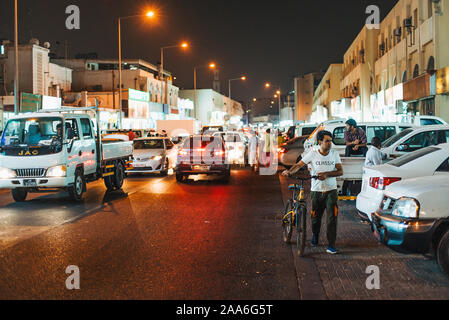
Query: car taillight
x=382 y=183
x=183 y=153
x=282 y=150
x=219 y=153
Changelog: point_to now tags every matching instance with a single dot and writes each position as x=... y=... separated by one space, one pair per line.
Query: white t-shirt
x=321 y=164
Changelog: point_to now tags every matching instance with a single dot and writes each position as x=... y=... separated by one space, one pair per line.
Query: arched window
x=394 y=81
x=416 y=71
x=404 y=76
x=431 y=64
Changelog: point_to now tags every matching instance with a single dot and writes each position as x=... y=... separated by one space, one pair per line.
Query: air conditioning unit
x=382 y=47
x=397 y=32
x=408 y=23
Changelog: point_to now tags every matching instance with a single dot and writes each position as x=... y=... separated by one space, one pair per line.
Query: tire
x=108 y=183
x=301 y=231
x=76 y=191
x=19 y=195
x=119 y=175
x=179 y=177
x=227 y=176
x=443 y=253
x=287 y=223
x=164 y=171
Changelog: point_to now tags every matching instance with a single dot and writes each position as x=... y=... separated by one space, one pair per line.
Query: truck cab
x=43 y=151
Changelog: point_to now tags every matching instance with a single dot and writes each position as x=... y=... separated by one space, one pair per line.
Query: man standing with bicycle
x=326 y=164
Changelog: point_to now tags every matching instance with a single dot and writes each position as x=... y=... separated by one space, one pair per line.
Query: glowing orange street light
x=243 y=78
x=150 y=14
x=267 y=85
x=184 y=45
x=212 y=65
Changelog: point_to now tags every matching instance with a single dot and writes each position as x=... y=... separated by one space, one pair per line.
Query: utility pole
x=16 y=48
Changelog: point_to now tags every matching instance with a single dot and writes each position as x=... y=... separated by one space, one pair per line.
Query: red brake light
x=381 y=183
x=219 y=153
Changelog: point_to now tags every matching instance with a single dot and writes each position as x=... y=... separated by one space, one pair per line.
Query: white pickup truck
x=51 y=150
x=414 y=217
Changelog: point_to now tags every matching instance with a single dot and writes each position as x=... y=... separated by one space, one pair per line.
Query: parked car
x=153 y=155
x=202 y=154
x=236 y=145
x=414 y=217
x=374 y=129
x=290 y=152
x=428 y=161
x=413 y=139
x=423 y=120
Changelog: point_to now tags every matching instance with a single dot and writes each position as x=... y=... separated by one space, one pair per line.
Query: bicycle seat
x=293 y=187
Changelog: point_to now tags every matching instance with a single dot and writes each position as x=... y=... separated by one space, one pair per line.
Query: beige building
x=412 y=44
x=327 y=91
x=305 y=87
x=358 y=71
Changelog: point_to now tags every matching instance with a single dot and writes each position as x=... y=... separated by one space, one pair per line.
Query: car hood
x=148 y=153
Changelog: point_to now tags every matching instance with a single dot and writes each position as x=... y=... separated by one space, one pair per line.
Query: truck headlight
x=6 y=173
x=406 y=208
x=156 y=158
x=57 y=171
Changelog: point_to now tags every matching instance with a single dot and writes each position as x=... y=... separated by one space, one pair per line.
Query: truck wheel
x=179 y=177
x=443 y=253
x=164 y=171
x=76 y=191
x=108 y=183
x=19 y=195
x=119 y=175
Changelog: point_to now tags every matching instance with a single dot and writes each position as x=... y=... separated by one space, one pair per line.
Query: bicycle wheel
x=301 y=230
x=287 y=223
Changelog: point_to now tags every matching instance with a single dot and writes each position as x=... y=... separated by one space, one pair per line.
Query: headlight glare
x=6 y=173
x=57 y=171
x=157 y=158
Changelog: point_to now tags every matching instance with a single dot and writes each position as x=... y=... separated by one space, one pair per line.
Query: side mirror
x=70 y=134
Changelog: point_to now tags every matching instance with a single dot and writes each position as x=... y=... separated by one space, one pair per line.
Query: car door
x=88 y=148
x=170 y=152
x=417 y=142
x=75 y=146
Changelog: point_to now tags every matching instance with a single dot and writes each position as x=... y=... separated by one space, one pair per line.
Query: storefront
x=419 y=95
x=319 y=115
x=341 y=109
x=138 y=115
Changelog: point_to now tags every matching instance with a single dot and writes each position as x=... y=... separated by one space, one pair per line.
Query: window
x=429 y=8
x=383 y=133
x=447 y=137
x=402 y=161
x=168 y=144
x=307 y=131
x=148 y=144
x=421 y=140
x=429 y=122
x=444 y=166
x=339 y=136
x=86 y=128
x=72 y=124
x=394 y=139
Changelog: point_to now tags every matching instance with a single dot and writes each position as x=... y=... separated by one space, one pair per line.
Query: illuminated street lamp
x=211 y=66
x=236 y=79
x=150 y=14
x=277 y=95
x=183 y=45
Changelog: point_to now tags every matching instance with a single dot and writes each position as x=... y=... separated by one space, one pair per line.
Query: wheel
x=301 y=230
x=119 y=176
x=108 y=183
x=179 y=177
x=19 y=195
x=164 y=171
x=76 y=191
x=227 y=176
x=287 y=223
x=443 y=253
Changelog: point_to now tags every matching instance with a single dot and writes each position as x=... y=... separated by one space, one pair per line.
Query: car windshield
x=392 y=140
x=402 y=161
x=149 y=144
x=44 y=135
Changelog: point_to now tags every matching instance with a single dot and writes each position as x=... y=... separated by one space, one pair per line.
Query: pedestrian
x=131 y=135
x=326 y=164
x=164 y=134
x=291 y=133
x=355 y=139
x=281 y=139
x=267 y=147
x=374 y=156
x=252 y=149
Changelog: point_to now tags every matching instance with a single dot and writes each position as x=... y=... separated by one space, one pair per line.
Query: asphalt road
x=155 y=239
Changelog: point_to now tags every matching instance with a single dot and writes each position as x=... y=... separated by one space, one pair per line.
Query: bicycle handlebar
x=303 y=178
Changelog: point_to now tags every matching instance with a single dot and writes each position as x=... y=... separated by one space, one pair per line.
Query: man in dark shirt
x=355 y=139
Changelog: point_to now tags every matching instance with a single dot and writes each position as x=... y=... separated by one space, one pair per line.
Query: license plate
x=138 y=165
x=201 y=168
x=30 y=183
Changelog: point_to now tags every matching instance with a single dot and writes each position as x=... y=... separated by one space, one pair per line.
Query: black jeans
x=349 y=151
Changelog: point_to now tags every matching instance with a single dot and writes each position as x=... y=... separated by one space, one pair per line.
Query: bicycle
x=295 y=215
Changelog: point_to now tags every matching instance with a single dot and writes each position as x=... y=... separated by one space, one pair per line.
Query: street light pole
x=211 y=66
x=119 y=74
x=16 y=48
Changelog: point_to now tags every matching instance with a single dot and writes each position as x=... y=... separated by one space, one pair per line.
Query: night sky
x=266 y=41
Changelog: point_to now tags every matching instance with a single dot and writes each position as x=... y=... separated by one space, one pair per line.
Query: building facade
x=326 y=93
x=305 y=87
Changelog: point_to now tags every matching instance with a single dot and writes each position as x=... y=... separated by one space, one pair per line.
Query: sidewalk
x=343 y=277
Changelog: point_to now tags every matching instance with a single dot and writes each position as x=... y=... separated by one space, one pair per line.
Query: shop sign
x=417 y=88
x=442 y=81
x=30 y=102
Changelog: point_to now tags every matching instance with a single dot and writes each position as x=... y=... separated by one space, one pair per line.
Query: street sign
x=30 y=102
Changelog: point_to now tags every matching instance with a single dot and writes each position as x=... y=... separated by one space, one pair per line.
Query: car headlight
x=57 y=171
x=6 y=173
x=157 y=158
x=406 y=208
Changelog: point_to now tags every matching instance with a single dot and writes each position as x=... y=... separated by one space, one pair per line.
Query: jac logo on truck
x=28 y=153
